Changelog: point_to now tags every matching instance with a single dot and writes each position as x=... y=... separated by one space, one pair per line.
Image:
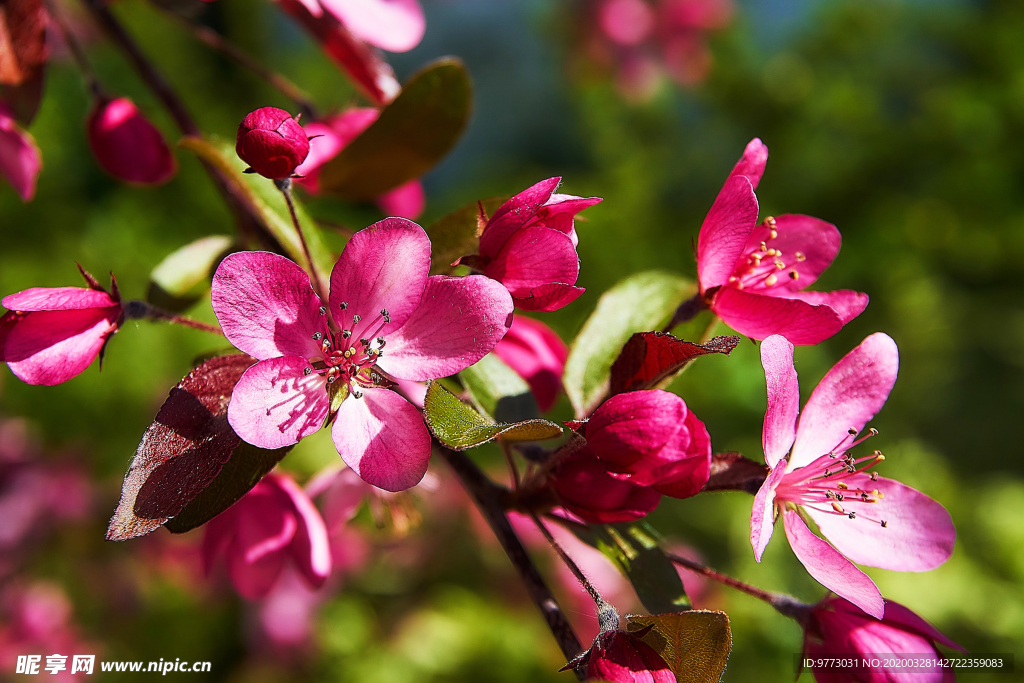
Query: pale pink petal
x=266 y=305
x=382 y=437
x=762 y=516
x=918 y=535
x=852 y=392
x=534 y=257
x=830 y=568
x=275 y=404
x=783 y=398
x=392 y=25
x=759 y=316
x=405 y=201
x=51 y=347
x=20 y=161
x=847 y=303
x=725 y=230
x=898 y=614
x=628 y=426
x=547 y=298
x=57 y=299
x=310 y=549
x=752 y=163
x=808 y=245
x=413 y=391
x=383 y=267
x=459 y=321
x=538 y=355
x=513 y=214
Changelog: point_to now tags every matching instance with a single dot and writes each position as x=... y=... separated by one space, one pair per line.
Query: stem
x=511 y=464
x=487 y=496
x=709 y=331
x=698 y=568
x=216 y=41
x=75 y=48
x=285 y=186
x=573 y=567
x=140 y=310
x=686 y=312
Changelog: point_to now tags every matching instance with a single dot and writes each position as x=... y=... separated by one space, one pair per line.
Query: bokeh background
x=899 y=121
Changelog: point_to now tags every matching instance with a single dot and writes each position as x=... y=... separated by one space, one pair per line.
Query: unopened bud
x=272 y=143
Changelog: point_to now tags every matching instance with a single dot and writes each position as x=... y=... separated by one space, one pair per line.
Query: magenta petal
x=459 y=321
x=381 y=436
x=383 y=267
x=266 y=305
x=759 y=316
x=20 y=161
x=275 y=404
x=724 y=233
x=392 y=25
x=849 y=395
x=847 y=303
x=547 y=298
x=783 y=398
x=57 y=299
x=538 y=355
x=217 y=535
x=898 y=614
x=514 y=214
x=310 y=549
x=533 y=257
x=830 y=568
x=918 y=535
x=762 y=516
x=628 y=426
x=51 y=347
x=255 y=557
x=405 y=201
x=752 y=164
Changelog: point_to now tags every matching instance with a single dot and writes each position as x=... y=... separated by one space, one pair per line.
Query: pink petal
x=725 y=230
x=310 y=549
x=815 y=240
x=584 y=487
x=266 y=305
x=406 y=201
x=127 y=146
x=459 y=321
x=685 y=477
x=382 y=437
x=392 y=25
x=255 y=556
x=51 y=347
x=559 y=212
x=626 y=22
x=383 y=267
x=533 y=257
x=57 y=299
x=752 y=163
x=852 y=392
x=762 y=516
x=275 y=404
x=845 y=302
x=20 y=161
x=783 y=398
x=918 y=535
x=328 y=138
x=538 y=355
x=413 y=391
x=759 y=316
x=342 y=497
x=548 y=298
x=514 y=214
x=627 y=427
x=896 y=613
x=217 y=535
x=830 y=568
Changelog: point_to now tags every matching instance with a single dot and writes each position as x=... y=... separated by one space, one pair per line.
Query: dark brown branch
x=733 y=472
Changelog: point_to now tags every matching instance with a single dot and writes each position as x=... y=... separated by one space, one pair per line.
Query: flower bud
x=20 y=162
x=586 y=490
x=621 y=657
x=538 y=355
x=272 y=143
x=126 y=145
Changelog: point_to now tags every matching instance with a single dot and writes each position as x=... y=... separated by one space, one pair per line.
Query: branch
x=488 y=497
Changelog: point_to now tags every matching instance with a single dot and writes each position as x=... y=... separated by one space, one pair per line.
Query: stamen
x=323 y=310
x=838 y=508
x=346 y=334
x=853 y=514
x=884 y=524
x=356 y=319
x=307 y=371
x=343 y=305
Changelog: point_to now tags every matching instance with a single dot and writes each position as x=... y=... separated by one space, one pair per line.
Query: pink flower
x=20 y=162
x=50 y=335
x=620 y=657
x=127 y=145
x=326 y=140
x=650 y=438
x=529 y=245
x=274 y=522
x=38 y=622
x=309 y=351
x=870 y=520
x=538 y=355
x=837 y=628
x=585 y=489
x=752 y=276
x=392 y=25
x=272 y=142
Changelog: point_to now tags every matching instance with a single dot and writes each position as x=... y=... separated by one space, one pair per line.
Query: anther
x=770 y=222
x=356 y=319
x=793 y=275
x=873 y=431
x=307 y=371
x=380 y=341
x=343 y=305
x=842 y=485
x=884 y=524
x=800 y=256
x=770 y=280
x=346 y=334
x=853 y=515
x=879 y=457
x=840 y=497
x=874 y=476
x=764 y=247
x=317 y=336
x=779 y=265
x=852 y=431
x=829 y=495
x=838 y=508
x=357 y=394
x=323 y=310
x=364 y=342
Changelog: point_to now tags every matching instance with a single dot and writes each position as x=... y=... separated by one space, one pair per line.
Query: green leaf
x=458 y=426
x=498 y=391
x=456 y=234
x=415 y=131
x=267 y=202
x=183 y=277
x=634 y=547
x=640 y=303
x=695 y=644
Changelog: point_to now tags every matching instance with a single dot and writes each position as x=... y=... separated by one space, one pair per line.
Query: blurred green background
x=900 y=122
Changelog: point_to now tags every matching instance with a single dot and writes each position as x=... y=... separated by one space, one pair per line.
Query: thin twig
x=513 y=469
x=573 y=567
x=686 y=312
x=703 y=570
x=285 y=186
x=141 y=310
x=75 y=48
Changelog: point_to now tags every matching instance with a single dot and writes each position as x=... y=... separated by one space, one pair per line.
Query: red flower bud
x=127 y=146
x=586 y=490
x=620 y=657
x=272 y=143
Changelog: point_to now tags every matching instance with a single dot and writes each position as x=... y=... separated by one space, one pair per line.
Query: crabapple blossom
x=538 y=355
x=584 y=487
x=753 y=275
x=272 y=143
x=319 y=361
x=126 y=145
x=276 y=521
x=868 y=519
x=20 y=162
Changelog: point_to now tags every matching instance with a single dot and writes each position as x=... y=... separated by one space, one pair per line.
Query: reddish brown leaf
x=183 y=451
x=649 y=358
x=733 y=472
x=23 y=55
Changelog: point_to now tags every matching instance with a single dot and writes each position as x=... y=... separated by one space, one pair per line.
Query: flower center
x=830 y=483
x=766 y=265
x=351 y=354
